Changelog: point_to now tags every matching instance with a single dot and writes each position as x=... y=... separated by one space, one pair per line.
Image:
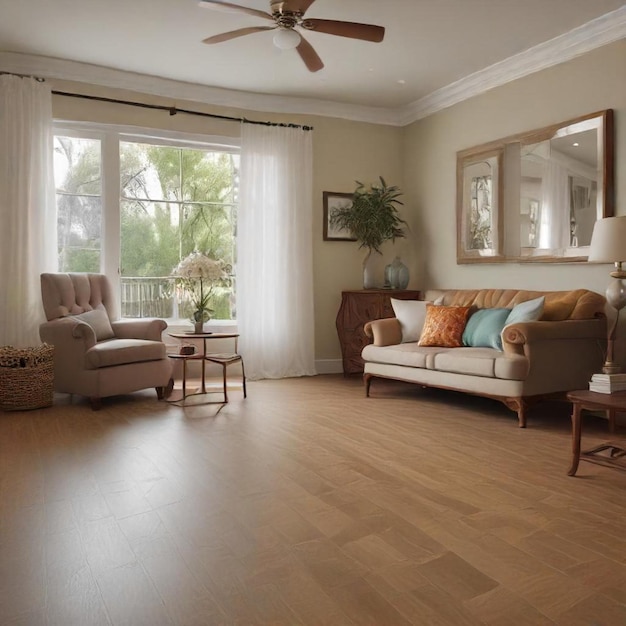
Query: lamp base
x=611 y=368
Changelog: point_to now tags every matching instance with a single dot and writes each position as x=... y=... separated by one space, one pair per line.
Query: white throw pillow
x=411 y=315
x=528 y=311
x=99 y=320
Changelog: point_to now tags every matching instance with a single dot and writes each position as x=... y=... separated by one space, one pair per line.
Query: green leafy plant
x=373 y=217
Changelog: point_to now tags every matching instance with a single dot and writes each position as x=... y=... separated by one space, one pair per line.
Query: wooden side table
x=221 y=359
x=357 y=308
x=609 y=454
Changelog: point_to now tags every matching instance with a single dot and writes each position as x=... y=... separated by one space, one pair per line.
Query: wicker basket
x=26 y=377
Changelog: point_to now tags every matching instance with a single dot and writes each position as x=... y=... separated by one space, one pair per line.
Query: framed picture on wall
x=480 y=227
x=333 y=201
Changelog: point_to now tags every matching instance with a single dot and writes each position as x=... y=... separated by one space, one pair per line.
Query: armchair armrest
x=68 y=330
x=385 y=332
x=145 y=328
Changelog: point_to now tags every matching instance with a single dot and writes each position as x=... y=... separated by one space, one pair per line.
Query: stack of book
x=608 y=383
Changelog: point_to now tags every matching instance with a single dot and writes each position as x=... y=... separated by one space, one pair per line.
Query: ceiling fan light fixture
x=287 y=39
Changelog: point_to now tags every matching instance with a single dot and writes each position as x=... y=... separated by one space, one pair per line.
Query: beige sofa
x=539 y=359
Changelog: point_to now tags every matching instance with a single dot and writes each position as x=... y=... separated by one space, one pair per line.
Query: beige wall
x=421 y=159
x=344 y=151
x=590 y=83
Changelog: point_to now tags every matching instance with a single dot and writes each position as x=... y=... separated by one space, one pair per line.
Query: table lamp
x=608 y=245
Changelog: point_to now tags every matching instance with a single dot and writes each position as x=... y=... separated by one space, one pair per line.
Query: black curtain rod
x=161 y=107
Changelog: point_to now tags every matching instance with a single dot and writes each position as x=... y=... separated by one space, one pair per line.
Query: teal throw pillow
x=528 y=311
x=484 y=327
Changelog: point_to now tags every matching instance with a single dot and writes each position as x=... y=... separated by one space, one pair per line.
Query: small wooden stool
x=225 y=360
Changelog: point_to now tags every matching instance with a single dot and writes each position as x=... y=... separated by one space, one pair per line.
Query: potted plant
x=199 y=275
x=372 y=218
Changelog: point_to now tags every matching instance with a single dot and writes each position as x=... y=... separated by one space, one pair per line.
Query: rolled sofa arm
x=385 y=332
x=529 y=332
x=561 y=355
x=146 y=328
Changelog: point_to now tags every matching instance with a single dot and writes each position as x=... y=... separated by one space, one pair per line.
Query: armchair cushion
x=98 y=319
x=123 y=351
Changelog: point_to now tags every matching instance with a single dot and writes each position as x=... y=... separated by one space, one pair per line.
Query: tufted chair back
x=73 y=294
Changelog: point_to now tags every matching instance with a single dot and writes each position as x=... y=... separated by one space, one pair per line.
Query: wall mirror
x=555 y=183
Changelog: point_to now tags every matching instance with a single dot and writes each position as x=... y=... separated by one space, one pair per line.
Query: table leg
x=224 y=381
x=611 y=414
x=203 y=364
x=576 y=432
x=184 y=379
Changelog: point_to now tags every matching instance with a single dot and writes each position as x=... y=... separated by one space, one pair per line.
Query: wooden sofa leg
x=519 y=405
x=367 y=379
x=96 y=403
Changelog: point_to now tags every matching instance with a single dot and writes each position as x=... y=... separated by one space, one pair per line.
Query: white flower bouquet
x=199 y=275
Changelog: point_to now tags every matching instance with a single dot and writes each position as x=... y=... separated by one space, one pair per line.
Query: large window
x=134 y=206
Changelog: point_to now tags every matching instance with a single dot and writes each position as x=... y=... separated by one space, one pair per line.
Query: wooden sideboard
x=357 y=308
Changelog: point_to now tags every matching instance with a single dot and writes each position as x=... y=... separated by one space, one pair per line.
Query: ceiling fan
x=287 y=15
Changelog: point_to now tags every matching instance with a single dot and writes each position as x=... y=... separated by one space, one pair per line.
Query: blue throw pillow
x=528 y=311
x=484 y=327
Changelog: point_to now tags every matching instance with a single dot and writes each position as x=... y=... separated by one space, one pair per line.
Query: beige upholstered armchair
x=96 y=355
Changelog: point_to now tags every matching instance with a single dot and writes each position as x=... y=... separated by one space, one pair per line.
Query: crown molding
x=63 y=69
x=603 y=30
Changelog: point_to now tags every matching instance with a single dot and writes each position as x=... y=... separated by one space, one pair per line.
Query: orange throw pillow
x=444 y=326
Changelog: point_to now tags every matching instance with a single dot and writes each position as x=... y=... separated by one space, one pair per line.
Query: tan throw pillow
x=444 y=326
x=99 y=321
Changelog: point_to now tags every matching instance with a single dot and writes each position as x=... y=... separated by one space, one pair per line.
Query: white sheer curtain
x=27 y=210
x=275 y=252
x=554 y=226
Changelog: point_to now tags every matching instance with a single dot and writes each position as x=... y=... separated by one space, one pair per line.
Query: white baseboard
x=329 y=366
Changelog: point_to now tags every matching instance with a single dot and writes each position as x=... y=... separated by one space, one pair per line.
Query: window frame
x=110 y=136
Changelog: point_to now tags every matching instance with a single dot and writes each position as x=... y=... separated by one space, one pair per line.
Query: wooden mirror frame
x=506 y=244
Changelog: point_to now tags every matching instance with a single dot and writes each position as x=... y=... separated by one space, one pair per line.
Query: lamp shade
x=608 y=242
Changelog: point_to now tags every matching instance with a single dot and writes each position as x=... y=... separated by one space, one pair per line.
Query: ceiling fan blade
x=367 y=32
x=309 y=56
x=229 y=6
x=233 y=34
x=296 y=6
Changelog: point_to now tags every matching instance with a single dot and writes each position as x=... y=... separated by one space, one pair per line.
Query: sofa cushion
x=486 y=362
x=98 y=319
x=528 y=311
x=409 y=354
x=484 y=328
x=123 y=351
x=411 y=314
x=444 y=326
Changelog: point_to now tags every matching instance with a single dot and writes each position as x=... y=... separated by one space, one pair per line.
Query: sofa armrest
x=146 y=328
x=529 y=332
x=561 y=355
x=385 y=332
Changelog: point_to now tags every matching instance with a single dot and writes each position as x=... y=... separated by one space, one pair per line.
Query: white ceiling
x=429 y=44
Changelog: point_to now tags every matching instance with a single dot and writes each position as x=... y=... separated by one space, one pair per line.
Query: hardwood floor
x=307 y=503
